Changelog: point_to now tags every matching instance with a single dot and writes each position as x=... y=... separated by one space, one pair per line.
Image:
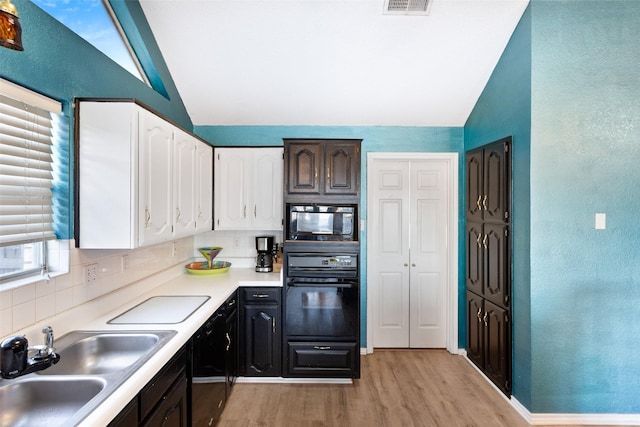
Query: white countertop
x=94 y=315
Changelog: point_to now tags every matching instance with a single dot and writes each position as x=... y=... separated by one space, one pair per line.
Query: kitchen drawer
x=261 y=295
x=128 y=417
x=323 y=359
x=173 y=411
x=155 y=390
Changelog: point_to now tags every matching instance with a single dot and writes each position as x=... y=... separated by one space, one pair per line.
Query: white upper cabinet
x=248 y=188
x=155 y=139
x=184 y=184
x=138 y=178
x=204 y=187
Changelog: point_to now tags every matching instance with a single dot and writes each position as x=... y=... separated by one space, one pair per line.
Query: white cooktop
x=164 y=309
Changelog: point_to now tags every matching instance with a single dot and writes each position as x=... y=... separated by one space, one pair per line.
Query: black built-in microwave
x=322 y=222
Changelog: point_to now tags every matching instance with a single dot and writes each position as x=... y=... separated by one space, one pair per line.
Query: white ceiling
x=330 y=62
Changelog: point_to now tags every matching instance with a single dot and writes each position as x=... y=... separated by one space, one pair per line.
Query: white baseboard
x=586 y=419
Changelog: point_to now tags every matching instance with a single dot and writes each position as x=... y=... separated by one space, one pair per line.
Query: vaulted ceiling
x=330 y=62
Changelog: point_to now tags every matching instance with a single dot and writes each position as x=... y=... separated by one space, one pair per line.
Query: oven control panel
x=323 y=261
x=339 y=261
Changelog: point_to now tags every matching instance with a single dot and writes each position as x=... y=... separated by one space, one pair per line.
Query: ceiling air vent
x=407 y=7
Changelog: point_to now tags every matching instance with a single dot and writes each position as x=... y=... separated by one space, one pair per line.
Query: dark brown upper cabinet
x=488 y=182
x=322 y=167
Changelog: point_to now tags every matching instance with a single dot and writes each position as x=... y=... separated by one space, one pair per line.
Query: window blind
x=26 y=165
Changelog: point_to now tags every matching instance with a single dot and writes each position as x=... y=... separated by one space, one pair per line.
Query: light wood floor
x=398 y=388
x=402 y=388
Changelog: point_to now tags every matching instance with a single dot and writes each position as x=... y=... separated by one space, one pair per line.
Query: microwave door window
x=315 y=223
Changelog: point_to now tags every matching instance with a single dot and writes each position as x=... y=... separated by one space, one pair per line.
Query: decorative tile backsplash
x=26 y=305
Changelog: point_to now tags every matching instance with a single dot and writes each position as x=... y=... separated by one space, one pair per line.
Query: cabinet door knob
x=485 y=318
x=485 y=242
x=406 y=265
x=478 y=202
x=484 y=202
x=479 y=240
x=479 y=315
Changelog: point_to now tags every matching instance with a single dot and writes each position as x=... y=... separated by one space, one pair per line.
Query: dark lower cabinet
x=128 y=417
x=322 y=359
x=173 y=410
x=162 y=402
x=214 y=364
x=262 y=332
x=489 y=340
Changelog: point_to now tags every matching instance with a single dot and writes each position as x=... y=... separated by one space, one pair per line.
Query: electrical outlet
x=174 y=249
x=90 y=274
x=124 y=261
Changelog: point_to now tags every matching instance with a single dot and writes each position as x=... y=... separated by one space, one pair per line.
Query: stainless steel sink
x=97 y=353
x=93 y=364
x=46 y=402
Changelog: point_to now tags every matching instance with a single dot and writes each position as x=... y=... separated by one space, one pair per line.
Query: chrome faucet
x=14 y=355
x=47 y=349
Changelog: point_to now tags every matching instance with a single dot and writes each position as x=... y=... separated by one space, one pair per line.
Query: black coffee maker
x=264 y=260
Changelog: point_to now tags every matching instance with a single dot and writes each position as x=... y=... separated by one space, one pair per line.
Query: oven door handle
x=328 y=284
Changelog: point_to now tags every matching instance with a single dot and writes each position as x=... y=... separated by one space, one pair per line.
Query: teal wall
x=504 y=109
x=374 y=139
x=58 y=63
x=585 y=150
x=567 y=89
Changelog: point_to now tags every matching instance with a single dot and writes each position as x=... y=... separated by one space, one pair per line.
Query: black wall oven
x=322 y=314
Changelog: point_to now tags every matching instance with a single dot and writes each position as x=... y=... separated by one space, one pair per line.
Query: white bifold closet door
x=407 y=251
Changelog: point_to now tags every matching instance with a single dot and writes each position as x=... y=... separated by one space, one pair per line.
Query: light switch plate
x=601 y=221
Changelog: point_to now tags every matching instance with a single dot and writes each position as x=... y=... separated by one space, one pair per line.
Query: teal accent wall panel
x=60 y=64
x=504 y=109
x=585 y=150
x=374 y=139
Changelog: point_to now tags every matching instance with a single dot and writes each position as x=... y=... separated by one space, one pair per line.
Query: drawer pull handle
x=260 y=295
x=321 y=347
